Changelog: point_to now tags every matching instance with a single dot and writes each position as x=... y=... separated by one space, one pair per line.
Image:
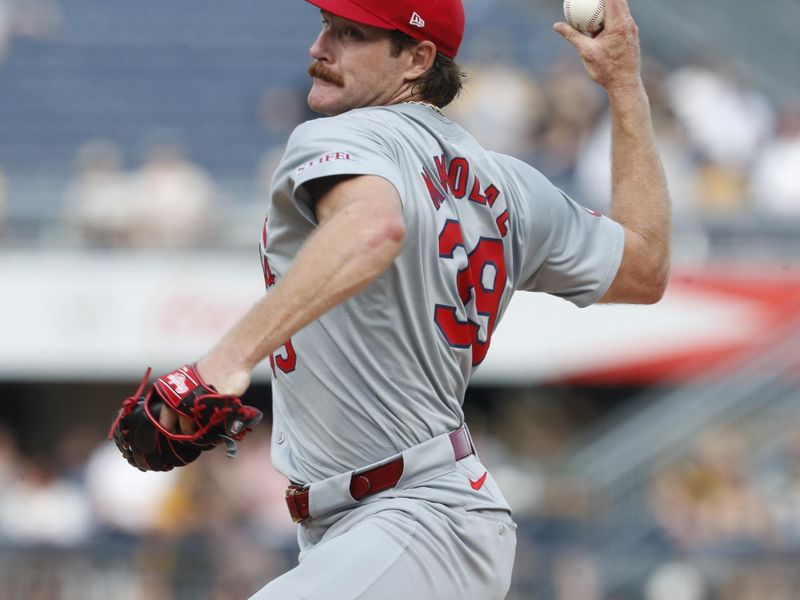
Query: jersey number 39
x=483 y=280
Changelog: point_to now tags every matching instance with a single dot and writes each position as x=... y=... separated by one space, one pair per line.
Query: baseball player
x=392 y=246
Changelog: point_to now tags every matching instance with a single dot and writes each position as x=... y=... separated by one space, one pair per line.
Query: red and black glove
x=218 y=418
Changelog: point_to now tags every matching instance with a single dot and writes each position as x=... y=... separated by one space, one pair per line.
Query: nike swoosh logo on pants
x=478 y=483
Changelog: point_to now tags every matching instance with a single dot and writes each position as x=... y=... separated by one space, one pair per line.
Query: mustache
x=320 y=71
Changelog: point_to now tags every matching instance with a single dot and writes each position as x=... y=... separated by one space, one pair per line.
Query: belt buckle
x=291 y=501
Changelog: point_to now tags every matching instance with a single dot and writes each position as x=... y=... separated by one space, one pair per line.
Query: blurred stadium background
x=649 y=452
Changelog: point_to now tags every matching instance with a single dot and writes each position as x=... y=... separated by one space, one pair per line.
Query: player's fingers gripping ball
x=585 y=15
x=218 y=418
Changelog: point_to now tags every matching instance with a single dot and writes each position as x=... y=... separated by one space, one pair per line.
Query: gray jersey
x=388 y=369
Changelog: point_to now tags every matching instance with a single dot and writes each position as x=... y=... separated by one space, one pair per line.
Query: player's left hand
x=217 y=375
x=207 y=419
x=612 y=57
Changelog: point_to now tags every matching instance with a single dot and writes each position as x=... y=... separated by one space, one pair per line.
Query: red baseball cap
x=439 y=21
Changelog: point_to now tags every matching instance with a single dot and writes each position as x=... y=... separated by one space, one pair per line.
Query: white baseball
x=585 y=15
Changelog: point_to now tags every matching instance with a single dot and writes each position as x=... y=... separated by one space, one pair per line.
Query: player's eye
x=353 y=33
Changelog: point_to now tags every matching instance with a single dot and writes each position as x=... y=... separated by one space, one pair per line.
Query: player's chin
x=326 y=99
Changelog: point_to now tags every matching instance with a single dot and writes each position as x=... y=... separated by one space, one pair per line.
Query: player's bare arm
x=640 y=200
x=360 y=233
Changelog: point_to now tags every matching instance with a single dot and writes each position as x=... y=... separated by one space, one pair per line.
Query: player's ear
x=421 y=58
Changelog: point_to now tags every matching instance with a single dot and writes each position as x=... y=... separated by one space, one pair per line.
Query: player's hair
x=443 y=81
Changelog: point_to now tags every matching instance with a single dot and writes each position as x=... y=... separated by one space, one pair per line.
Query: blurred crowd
x=728 y=497
x=167 y=202
x=718 y=519
x=82 y=489
x=32 y=19
x=217 y=524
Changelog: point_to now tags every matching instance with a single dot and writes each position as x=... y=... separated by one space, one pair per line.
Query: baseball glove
x=218 y=418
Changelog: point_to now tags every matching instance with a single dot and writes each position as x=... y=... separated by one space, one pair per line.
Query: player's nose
x=320 y=49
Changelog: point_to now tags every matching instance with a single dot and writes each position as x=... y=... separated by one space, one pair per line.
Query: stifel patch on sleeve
x=328 y=157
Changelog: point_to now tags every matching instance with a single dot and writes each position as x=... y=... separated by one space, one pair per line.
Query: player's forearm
x=639 y=189
x=349 y=251
x=640 y=199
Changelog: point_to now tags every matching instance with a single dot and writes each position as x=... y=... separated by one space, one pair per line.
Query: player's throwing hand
x=612 y=57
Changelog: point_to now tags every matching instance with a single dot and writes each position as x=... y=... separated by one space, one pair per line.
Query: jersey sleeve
x=350 y=144
x=562 y=248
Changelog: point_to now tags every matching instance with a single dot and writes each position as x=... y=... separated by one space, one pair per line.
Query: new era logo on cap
x=417 y=21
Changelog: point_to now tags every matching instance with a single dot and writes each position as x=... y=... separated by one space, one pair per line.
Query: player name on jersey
x=457 y=179
x=454 y=178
